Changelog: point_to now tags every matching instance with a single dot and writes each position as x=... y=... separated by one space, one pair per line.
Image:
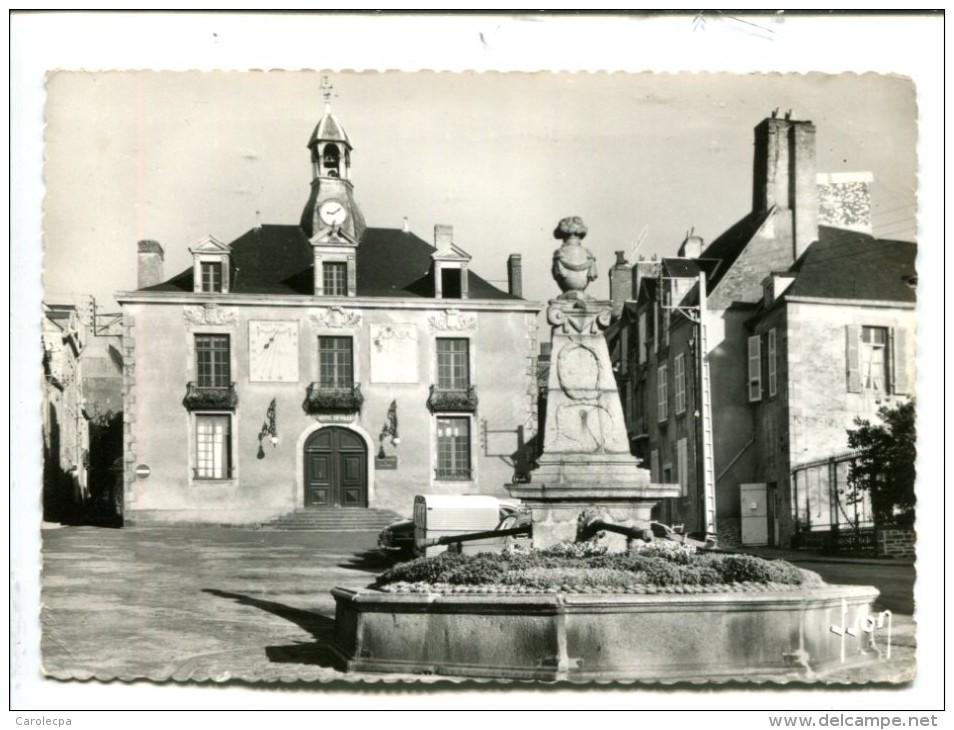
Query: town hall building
x=323 y=364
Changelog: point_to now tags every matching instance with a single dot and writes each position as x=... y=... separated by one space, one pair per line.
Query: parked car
x=397 y=539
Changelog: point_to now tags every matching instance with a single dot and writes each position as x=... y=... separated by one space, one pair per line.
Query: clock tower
x=331 y=207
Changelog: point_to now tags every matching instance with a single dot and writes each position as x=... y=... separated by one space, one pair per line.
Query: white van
x=438 y=515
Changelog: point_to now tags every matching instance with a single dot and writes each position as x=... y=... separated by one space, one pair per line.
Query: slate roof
x=730 y=245
x=329 y=129
x=278 y=259
x=846 y=264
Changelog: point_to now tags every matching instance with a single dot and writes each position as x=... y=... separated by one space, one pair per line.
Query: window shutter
x=852 y=338
x=755 y=368
x=901 y=365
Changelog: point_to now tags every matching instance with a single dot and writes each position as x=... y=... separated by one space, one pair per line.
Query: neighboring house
x=82 y=409
x=322 y=364
x=728 y=392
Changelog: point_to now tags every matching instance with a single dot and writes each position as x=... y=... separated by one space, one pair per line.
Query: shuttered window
x=772 y=364
x=662 y=392
x=755 y=368
x=877 y=359
x=679 y=382
x=682 y=465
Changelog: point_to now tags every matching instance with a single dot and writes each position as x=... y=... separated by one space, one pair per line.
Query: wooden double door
x=336 y=469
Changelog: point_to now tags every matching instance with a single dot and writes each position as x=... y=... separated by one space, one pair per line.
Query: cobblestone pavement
x=228 y=604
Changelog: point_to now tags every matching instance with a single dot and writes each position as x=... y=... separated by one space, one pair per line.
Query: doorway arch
x=334 y=468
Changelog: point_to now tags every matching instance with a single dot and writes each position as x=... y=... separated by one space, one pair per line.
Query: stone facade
x=788 y=305
x=324 y=364
x=896 y=544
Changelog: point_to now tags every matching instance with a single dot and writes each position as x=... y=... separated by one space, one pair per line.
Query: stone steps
x=333 y=520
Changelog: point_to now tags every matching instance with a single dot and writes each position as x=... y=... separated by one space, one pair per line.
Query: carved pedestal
x=586 y=469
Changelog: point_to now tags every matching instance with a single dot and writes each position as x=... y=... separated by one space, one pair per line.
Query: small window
x=334 y=278
x=453 y=448
x=679 y=382
x=211 y=276
x=335 y=363
x=755 y=368
x=453 y=364
x=212 y=361
x=772 y=364
x=874 y=358
x=662 y=392
x=213 y=441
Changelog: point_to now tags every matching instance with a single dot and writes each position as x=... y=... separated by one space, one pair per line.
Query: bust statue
x=574 y=266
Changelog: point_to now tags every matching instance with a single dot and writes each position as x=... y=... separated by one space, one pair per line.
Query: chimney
x=150 y=263
x=406 y=226
x=844 y=200
x=443 y=236
x=515 y=275
x=620 y=282
x=691 y=248
x=784 y=178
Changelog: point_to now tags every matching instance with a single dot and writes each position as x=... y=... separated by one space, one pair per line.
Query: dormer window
x=210 y=261
x=211 y=276
x=450 y=265
x=334 y=276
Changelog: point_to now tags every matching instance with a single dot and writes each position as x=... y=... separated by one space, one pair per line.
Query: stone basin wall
x=783 y=635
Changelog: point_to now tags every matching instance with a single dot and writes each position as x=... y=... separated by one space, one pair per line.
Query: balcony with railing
x=452 y=400
x=321 y=399
x=210 y=398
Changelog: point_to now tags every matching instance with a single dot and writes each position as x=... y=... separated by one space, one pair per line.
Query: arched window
x=331 y=160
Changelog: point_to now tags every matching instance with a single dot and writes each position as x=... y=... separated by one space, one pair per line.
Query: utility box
x=755 y=514
x=440 y=515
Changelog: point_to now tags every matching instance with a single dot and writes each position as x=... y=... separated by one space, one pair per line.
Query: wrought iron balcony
x=325 y=399
x=452 y=400
x=204 y=398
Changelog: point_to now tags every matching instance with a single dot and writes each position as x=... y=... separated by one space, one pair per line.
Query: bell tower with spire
x=331 y=207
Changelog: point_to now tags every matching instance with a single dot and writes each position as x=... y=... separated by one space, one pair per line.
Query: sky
x=641 y=157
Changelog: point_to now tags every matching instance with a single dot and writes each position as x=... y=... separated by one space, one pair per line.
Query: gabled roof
x=278 y=259
x=209 y=244
x=845 y=264
x=730 y=245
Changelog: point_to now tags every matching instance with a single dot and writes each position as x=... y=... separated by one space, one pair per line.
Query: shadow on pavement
x=369 y=561
x=321 y=627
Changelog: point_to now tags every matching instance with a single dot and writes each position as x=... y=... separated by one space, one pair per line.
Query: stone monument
x=585 y=470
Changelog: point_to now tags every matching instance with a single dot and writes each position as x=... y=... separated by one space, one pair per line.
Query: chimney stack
x=406 y=226
x=150 y=264
x=784 y=178
x=515 y=275
x=443 y=236
x=691 y=248
x=620 y=282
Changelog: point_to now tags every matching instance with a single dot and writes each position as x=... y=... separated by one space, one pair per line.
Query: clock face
x=333 y=213
x=273 y=351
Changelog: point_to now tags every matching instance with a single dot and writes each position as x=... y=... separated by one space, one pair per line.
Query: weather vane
x=326 y=89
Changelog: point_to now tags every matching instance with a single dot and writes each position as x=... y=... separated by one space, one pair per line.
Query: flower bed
x=656 y=567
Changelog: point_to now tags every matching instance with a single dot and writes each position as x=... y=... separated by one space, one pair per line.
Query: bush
x=655 y=564
x=677 y=552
